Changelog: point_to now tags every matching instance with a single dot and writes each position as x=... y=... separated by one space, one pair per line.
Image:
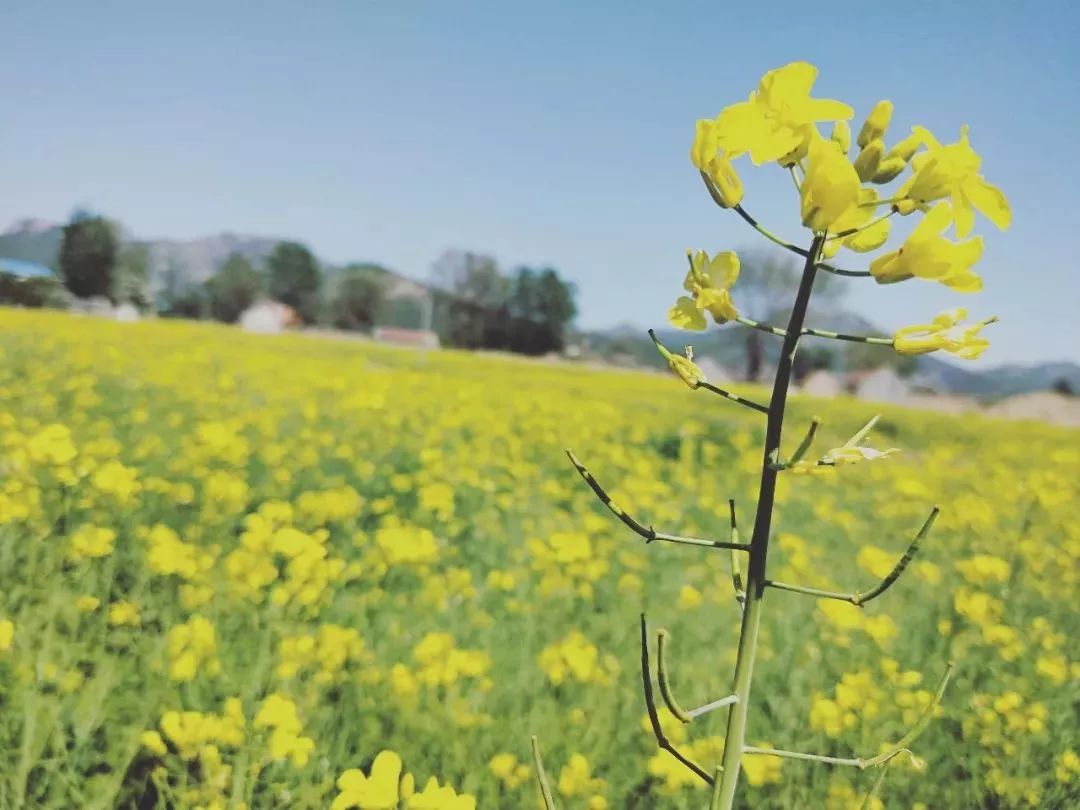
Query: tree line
x=470 y=302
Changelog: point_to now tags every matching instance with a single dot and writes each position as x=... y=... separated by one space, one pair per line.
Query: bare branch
x=661 y=677
x=858 y=598
x=902 y=745
x=648 y=532
x=650 y=706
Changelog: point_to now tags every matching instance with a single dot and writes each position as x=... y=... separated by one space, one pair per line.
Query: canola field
x=246 y=571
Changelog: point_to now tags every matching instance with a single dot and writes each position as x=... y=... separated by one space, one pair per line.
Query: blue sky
x=552 y=133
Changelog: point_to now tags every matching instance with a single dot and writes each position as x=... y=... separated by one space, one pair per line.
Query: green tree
x=131 y=277
x=359 y=294
x=233 y=288
x=541 y=307
x=191 y=301
x=88 y=252
x=474 y=298
x=295 y=279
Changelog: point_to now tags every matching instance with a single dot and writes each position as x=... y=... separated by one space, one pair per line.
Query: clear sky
x=541 y=133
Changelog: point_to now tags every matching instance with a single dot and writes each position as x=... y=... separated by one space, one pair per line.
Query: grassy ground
x=233 y=567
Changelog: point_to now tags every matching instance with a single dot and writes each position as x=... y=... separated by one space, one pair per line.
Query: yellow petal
x=686 y=315
x=963 y=214
x=723 y=270
x=718 y=303
x=826 y=109
x=989 y=200
x=792 y=81
x=870 y=238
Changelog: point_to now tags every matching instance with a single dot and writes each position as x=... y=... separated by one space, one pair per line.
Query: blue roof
x=17 y=267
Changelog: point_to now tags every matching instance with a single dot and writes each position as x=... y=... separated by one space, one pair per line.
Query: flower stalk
x=778 y=123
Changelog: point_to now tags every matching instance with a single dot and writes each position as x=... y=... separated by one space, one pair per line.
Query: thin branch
x=734 y=397
x=852 y=231
x=761 y=327
x=541 y=776
x=742 y=212
x=777 y=752
x=709 y=707
x=902 y=746
x=772 y=237
x=650 y=705
x=661 y=677
x=859 y=598
x=875 y=788
x=648 y=532
x=920 y=725
x=902 y=563
x=804 y=445
x=822 y=333
x=838 y=271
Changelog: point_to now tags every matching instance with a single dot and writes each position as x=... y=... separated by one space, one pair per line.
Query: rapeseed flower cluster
x=296 y=466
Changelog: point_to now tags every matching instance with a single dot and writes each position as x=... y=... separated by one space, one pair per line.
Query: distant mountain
x=32 y=240
x=1006 y=380
x=196 y=260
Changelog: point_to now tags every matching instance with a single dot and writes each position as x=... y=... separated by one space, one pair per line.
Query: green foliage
x=295 y=279
x=131 y=279
x=191 y=302
x=32 y=292
x=88 y=253
x=527 y=313
x=233 y=288
x=359 y=294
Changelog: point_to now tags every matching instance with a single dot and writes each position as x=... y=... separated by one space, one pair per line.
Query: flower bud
x=866 y=162
x=830 y=188
x=725 y=181
x=841 y=133
x=889 y=169
x=876 y=123
x=684 y=366
x=705 y=144
x=905 y=148
x=905 y=207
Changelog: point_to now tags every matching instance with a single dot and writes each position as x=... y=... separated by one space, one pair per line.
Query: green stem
x=772 y=237
x=648 y=532
x=879 y=203
x=541 y=776
x=853 y=231
x=735 y=736
x=776 y=752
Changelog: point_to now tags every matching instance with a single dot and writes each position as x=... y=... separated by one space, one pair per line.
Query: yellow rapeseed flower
x=928 y=255
x=709 y=282
x=775 y=119
x=952 y=171
x=943 y=334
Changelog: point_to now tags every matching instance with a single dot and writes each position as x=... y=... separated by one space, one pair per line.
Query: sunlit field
x=233 y=568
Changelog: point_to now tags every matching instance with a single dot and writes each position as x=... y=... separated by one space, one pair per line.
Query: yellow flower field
x=280 y=571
